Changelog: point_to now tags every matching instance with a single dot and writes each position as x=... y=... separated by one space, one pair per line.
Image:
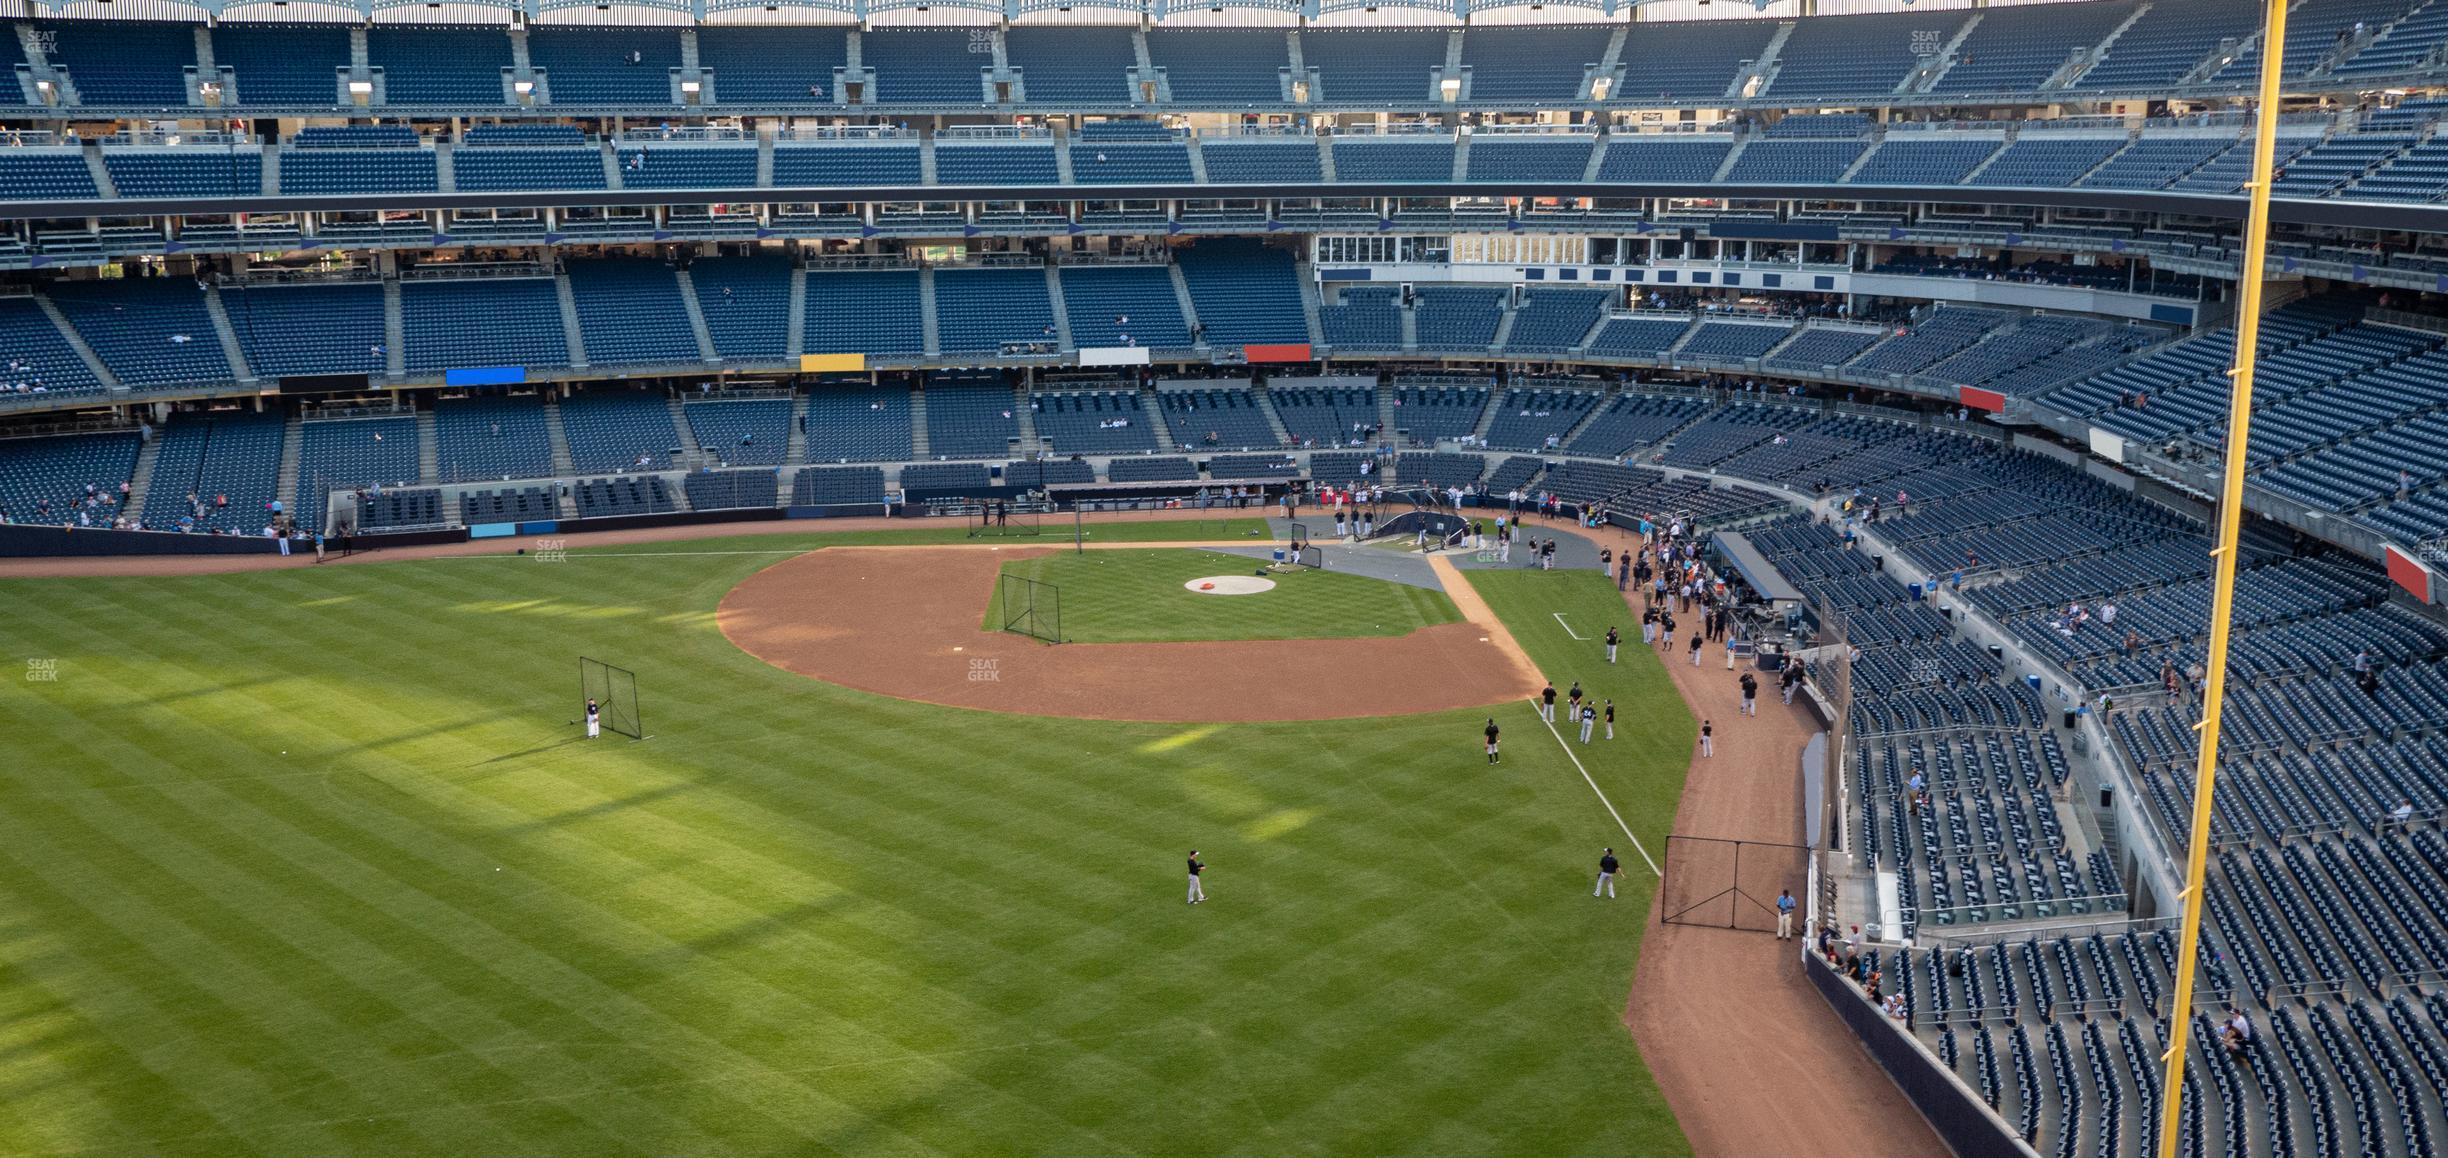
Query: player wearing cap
x=1491 y=739
x=1607 y=867
x=1197 y=894
x=594 y=719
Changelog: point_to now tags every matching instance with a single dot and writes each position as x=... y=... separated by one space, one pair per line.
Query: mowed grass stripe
x=1008 y=888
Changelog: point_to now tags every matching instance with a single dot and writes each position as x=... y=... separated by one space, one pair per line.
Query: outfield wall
x=27 y=540
x=1965 y=1123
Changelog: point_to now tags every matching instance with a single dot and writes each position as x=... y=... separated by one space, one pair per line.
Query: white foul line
x=1559 y=616
x=1602 y=796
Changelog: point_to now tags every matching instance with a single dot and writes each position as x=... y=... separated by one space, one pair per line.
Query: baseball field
x=316 y=861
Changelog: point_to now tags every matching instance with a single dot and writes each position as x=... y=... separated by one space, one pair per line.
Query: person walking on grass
x=594 y=719
x=1708 y=739
x=1613 y=638
x=1785 y=911
x=1589 y=721
x=1197 y=866
x=1610 y=719
x=1750 y=694
x=1492 y=729
x=1608 y=866
x=1547 y=703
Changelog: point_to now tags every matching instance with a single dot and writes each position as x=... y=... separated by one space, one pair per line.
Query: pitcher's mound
x=1230 y=585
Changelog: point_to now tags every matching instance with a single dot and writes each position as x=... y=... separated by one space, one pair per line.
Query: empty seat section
x=1260 y=161
x=864 y=312
x=846 y=163
x=970 y=415
x=1222 y=416
x=855 y=422
x=1530 y=64
x=1093 y=422
x=981 y=310
x=991 y=164
x=149 y=331
x=492 y=436
x=1688 y=61
x=1638 y=337
x=836 y=486
x=45 y=174
x=2155 y=163
x=1800 y=162
x=1374 y=66
x=1664 y=159
x=1923 y=159
x=1458 y=317
x=615 y=427
x=1244 y=291
x=767 y=64
x=326 y=328
x=605 y=497
x=716 y=490
x=1222 y=67
x=357 y=159
x=1123 y=306
x=2039 y=160
x=746 y=303
x=1555 y=320
x=351 y=454
x=1857 y=56
x=1368 y=317
x=194 y=172
x=481 y=322
x=1112 y=163
x=928 y=66
x=1396 y=158
x=439 y=66
x=629 y=312
x=1075 y=66
x=2013 y=50
x=489 y=168
x=35 y=354
x=2168 y=41
x=1541 y=158
x=653 y=166
x=631 y=67
x=284 y=64
x=123 y=62
x=741 y=431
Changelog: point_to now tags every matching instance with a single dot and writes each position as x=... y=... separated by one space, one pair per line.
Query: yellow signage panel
x=831 y=363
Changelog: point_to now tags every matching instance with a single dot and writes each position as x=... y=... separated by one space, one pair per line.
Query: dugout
x=1734 y=551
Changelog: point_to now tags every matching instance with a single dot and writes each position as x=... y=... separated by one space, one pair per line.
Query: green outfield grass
x=1136 y=596
x=313 y=862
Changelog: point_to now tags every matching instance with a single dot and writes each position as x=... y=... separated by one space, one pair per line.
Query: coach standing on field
x=1607 y=867
x=1197 y=894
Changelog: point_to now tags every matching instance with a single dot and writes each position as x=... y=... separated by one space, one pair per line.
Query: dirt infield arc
x=904 y=622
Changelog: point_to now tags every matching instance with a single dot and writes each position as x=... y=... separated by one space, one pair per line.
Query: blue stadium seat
x=284 y=64
x=772 y=65
x=629 y=313
x=439 y=66
x=630 y=67
x=314 y=328
x=481 y=322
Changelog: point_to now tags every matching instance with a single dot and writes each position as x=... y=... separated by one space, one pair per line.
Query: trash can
x=2029 y=681
x=1916 y=591
x=1997 y=652
x=1279 y=556
x=2070 y=713
x=1878 y=562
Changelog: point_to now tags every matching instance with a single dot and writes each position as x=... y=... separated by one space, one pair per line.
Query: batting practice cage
x=1301 y=552
x=1030 y=607
x=614 y=690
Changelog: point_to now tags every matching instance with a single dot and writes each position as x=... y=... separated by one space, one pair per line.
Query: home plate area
x=1230 y=585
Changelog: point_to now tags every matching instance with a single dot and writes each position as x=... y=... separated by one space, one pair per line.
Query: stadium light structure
x=2223 y=564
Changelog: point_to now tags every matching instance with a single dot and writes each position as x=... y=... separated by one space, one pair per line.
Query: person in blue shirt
x=1785 y=911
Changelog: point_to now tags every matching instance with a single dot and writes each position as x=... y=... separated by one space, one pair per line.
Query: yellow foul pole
x=2223 y=560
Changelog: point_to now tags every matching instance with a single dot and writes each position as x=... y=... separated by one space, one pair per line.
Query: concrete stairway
x=563 y=464
x=569 y=321
x=696 y=317
x=429 y=447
